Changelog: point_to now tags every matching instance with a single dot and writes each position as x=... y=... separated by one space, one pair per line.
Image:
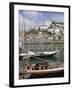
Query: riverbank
x=47 y=42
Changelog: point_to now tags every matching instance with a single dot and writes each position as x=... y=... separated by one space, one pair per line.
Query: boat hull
x=58 y=72
x=43 y=55
x=38 y=54
x=48 y=75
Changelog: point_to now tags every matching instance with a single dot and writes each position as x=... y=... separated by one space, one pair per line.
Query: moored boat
x=31 y=53
x=43 y=70
x=44 y=73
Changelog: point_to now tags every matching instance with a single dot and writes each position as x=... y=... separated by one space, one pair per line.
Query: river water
x=59 y=56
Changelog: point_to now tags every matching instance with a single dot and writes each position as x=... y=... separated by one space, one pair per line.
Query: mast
x=34 y=40
x=25 y=42
x=54 y=36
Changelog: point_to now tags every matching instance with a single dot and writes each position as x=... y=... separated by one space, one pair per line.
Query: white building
x=43 y=27
x=51 y=30
x=57 y=31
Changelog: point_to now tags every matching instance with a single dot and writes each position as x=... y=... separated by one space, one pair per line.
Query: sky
x=30 y=18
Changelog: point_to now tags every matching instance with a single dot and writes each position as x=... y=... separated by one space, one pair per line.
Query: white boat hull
x=30 y=53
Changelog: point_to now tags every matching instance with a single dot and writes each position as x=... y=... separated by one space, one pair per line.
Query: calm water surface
x=57 y=57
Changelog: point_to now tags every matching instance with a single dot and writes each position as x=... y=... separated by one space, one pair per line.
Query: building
x=51 y=30
x=44 y=27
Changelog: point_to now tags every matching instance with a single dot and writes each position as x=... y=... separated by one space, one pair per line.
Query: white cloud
x=31 y=13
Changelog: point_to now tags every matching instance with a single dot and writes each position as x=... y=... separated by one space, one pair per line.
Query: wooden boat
x=44 y=73
x=43 y=69
x=46 y=53
x=31 y=53
x=48 y=73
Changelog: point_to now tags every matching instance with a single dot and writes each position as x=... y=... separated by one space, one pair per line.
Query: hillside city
x=52 y=31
